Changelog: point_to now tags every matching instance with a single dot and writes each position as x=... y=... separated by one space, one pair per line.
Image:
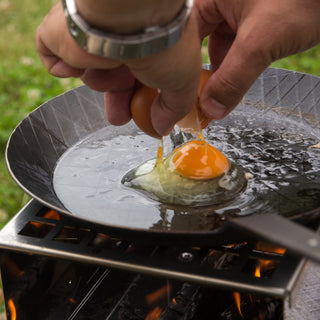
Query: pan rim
x=93 y=221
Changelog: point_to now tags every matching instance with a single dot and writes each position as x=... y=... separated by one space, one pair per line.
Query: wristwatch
x=153 y=40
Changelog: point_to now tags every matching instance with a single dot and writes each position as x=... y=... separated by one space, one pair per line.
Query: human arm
x=245 y=37
x=175 y=71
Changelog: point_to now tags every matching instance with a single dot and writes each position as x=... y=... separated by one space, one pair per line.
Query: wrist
x=128 y=16
x=119 y=46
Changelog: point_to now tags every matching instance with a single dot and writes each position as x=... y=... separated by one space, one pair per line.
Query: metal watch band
x=125 y=47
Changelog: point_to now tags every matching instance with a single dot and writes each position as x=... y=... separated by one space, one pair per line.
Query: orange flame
x=262 y=266
x=211 y=253
x=232 y=245
x=103 y=236
x=237 y=299
x=13 y=268
x=12 y=309
x=36 y=224
x=72 y=300
x=154 y=314
x=267 y=247
x=160 y=294
x=52 y=214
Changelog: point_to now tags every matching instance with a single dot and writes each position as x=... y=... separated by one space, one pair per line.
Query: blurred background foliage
x=25 y=84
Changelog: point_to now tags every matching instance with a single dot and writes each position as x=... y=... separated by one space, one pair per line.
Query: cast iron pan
x=65 y=155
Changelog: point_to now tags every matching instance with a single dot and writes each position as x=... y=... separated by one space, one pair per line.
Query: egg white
x=163 y=183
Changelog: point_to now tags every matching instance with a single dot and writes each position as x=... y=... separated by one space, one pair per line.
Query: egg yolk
x=198 y=160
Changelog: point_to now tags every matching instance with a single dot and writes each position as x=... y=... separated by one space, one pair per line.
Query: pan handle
x=283 y=232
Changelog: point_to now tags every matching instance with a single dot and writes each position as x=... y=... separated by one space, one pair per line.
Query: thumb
x=231 y=80
x=171 y=106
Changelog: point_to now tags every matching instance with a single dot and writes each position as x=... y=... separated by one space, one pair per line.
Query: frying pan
x=67 y=156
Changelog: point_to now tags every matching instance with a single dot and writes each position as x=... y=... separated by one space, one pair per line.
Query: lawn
x=24 y=83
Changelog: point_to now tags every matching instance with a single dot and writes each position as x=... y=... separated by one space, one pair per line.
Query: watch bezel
x=153 y=40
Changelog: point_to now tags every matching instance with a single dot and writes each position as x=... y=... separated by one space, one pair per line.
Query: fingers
x=54 y=65
x=252 y=35
x=170 y=107
x=47 y=45
x=238 y=57
x=231 y=80
x=176 y=72
x=118 y=85
x=117 y=106
x=58 y=51
x=115 y=79
x=58 y=68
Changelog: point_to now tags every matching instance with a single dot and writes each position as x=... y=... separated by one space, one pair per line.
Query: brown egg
x=141 y=104
x=195 y=120
x=140 y=109
x=205 y=75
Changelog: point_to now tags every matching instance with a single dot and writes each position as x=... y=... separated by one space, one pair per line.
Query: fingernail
x=214 y=109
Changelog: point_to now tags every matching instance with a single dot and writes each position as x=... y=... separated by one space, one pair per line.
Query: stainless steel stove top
x=35 y=231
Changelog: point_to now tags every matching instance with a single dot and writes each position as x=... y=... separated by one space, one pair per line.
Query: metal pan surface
x=65 y=155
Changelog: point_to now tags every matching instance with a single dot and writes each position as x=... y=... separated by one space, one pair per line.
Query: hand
x=245 y=36
x=175 y=71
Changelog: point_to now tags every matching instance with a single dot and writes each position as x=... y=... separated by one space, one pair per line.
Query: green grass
x=308 y=62
x=25 y=84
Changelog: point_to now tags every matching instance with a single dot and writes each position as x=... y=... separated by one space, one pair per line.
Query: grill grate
x=33 y=230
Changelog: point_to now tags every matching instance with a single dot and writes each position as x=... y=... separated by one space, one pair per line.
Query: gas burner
x=67 y=269
x=36 y=230
x=76 y=264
